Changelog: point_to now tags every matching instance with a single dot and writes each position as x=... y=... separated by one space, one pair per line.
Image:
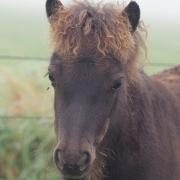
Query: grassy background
x=26 y=144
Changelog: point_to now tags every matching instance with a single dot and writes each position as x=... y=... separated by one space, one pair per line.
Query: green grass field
x=26 y=144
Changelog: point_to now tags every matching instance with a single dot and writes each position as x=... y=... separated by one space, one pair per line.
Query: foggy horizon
x=156 y=10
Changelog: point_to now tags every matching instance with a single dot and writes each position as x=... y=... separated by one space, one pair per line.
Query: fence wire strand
x=35 y=58
x=23 y=58
x=26 y=117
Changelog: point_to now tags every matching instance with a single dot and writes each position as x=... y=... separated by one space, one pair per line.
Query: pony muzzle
x=74 y=162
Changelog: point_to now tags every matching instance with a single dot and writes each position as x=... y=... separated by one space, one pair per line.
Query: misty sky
x=155 y=9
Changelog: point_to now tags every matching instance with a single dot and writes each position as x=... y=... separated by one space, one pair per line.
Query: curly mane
x=103 y=26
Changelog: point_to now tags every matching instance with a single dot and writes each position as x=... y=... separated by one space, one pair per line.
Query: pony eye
x=117 y=84
x=52 y=79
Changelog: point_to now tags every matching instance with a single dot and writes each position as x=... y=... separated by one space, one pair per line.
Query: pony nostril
x=84 y=161
x=71 y=168
x=58 y=159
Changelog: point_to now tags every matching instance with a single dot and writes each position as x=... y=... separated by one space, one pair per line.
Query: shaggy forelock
x=104 y=27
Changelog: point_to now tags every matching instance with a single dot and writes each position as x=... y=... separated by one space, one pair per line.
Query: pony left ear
x=52 y=6
x=132 y=11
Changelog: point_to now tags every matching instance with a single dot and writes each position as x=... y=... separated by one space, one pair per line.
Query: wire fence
x=26 y=117
x=23 y=58
x=37 y=59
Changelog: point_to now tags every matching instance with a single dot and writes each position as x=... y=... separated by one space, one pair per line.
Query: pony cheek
x=102 y=133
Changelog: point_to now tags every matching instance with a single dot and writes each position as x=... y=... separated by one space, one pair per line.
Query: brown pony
x=112 y=121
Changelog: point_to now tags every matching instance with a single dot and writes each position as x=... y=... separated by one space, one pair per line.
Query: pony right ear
x=132 y=11
x=52 y=6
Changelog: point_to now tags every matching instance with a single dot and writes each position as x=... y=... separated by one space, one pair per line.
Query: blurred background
x=26 y=104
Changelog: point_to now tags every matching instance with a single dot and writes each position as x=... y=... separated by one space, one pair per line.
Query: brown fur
x=148 y=99
x=171 y=79
x=142 y=140
x=103 y=27
x=98 y=168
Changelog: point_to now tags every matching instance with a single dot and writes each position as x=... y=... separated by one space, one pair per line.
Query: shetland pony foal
x=113 y=122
